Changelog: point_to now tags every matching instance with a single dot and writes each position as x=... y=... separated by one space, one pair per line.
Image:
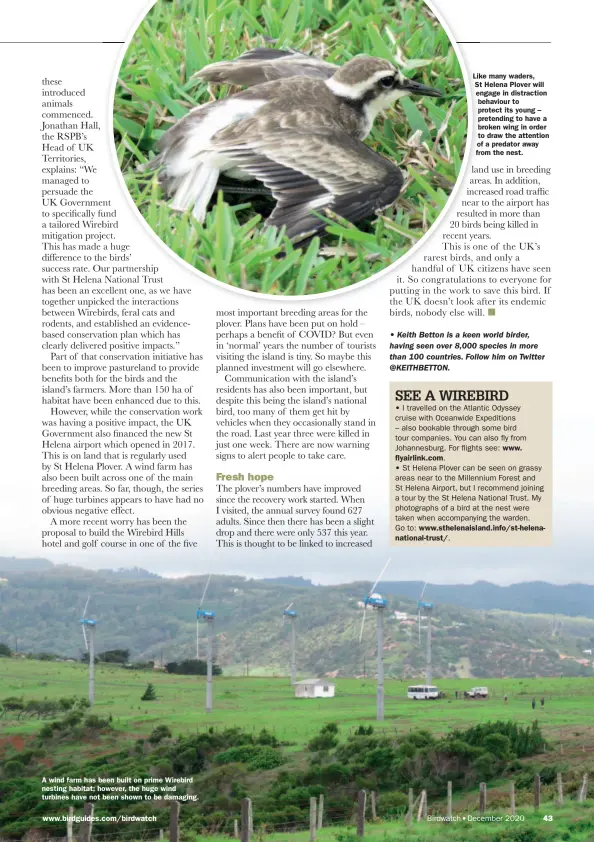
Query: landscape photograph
x=273 y=693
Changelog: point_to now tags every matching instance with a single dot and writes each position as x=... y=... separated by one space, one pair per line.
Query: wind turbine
x=208 y=617
x=426 y=608
x=377 y=602
x=292 y=615
x=89 y=626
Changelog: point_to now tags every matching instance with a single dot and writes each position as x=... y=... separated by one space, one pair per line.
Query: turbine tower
x=292 y=616
x=377 y=603
x=427 y=609
x=89 y=626
x=198 y=615
x=208 y=617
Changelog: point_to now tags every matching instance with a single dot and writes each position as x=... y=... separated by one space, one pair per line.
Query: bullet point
x=491 y=311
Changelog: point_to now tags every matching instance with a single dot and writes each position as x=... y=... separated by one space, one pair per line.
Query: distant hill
x=295 y=581
x=156 y=618
x=24 y=565
x=527 y=597
x=131 y=573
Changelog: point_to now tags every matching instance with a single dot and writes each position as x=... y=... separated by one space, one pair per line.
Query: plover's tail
x=188 y=166
x=184 y=170
x=194 y=188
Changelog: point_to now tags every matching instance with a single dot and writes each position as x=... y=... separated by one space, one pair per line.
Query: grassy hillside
x=262 y=742
x=155 y=618
x=250 y=702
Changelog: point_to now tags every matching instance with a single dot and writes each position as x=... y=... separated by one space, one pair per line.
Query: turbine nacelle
x=205 y=615
x=289 y=612
x=425 y=606
x=86 y=622
x=375 y=600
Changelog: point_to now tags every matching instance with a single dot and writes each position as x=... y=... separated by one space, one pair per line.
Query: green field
x=574 y=823
x=256 y=702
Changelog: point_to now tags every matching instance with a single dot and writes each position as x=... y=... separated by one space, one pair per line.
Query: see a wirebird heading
x=298 y=128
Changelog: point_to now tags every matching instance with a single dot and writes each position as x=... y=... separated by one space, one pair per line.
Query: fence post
x=512 y=798
x=422 y=811
x=235 y=829
x=69 y=823
x=320 y=811
x=161 y=834
x=313 y=819
x=482 y=797
x=559 y=789
x=361 y=801
x=87 y=825
x=449 y=809
x=251 y=818
x=411 y=806
x=174 y=822
x=536 y=792
x=583 y=793
x=373 y=807
x=246 y=810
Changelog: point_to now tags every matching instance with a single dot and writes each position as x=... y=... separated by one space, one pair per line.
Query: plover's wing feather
x=266 y=65
x=309 y=172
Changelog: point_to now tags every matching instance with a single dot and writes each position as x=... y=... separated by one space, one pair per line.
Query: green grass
x=574 y=820
x=425 y=137
x=269 y=702
x=257 y=702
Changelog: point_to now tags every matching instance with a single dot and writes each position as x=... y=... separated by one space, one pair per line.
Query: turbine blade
x=380 y=576
x=423 y=591
x=85 y=637
x=290 y=605
x=205 y=589
x=362 y=624
x=84 y=613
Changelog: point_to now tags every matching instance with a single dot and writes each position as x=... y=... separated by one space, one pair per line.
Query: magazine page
x=296 y=500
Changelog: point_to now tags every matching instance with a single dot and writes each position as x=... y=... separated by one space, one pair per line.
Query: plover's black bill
x=418 y=89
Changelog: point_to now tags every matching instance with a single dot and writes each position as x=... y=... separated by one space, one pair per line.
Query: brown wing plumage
x=310 y=171
x=266 y=65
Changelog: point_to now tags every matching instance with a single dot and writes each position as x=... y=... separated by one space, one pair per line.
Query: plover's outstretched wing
x=312 y=171
x=265 y=64
x=187 y=174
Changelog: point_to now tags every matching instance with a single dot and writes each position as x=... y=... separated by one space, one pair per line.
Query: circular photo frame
x=290 y=148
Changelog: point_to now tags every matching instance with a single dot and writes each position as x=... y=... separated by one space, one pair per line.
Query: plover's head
x=375 y=83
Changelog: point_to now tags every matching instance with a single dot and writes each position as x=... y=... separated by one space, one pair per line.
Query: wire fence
x=362 y=810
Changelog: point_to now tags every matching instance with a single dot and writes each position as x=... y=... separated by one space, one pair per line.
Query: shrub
x=392 y=804
x=13 y=768
x=256 y=757
x=324 y=741
x=149 y=694
x=96 y=722
x=266 y=758
x=161 y=732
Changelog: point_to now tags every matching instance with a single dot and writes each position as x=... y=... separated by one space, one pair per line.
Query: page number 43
x=547 y=818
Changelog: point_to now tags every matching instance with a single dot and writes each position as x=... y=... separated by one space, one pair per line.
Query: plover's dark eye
x=387 y=82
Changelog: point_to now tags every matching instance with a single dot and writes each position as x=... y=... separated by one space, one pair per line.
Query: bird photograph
x=290 y=148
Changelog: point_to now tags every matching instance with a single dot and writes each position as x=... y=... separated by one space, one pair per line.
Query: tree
x=149 y=694
x=5 y=651
x=114 y=656
x=191 y=667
